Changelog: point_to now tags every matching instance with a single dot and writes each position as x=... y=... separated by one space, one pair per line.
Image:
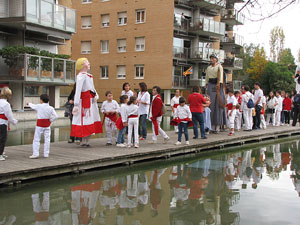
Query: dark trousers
x=256 y=122
x=3 y=137
x=282 y=117
x=183 y=126
x=296 y=115
x=287 y=117
x=74 y=138
x=143 y=126
x=197 y=117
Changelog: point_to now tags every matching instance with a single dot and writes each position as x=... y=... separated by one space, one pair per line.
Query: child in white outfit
x=133 y=121
x=278 y=109
x=231 y=111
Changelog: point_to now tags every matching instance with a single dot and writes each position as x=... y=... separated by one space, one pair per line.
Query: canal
x=244 y=186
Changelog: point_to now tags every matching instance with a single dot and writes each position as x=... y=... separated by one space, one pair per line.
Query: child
x=263 y=123
x=110 y=108
x=287 y=107
x=184 y=116
x=207 y=111
x=278 y=109
x=45 y=116
x=175 y=104
x=126 y=90
x=238 y=116
x=231 y=111
x=6 y=117
x=122 y=122
x=133 y=121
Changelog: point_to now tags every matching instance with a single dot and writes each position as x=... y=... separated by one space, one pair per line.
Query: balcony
x=203 y=53
x=236 y=41
x=215 y=4
x=38 y=12
x=207 y=27
x=180 y=53
x=38 y=69
x=233 y=63
x=180 y=82
x=233 y=17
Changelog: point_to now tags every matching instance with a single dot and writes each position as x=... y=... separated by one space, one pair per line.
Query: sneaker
x=77 y=142
x=178 y=143
x=204 y=137
x=187 y=142
x=230 y=134
x=33 y=157
x=121 y=145
x=142 y=139
x=136 y=146
x=129 y=146
x=108 y=144
x=4 y=155
x=195 y=137
x=2 y=158
x=70 y=141
x=166 y=139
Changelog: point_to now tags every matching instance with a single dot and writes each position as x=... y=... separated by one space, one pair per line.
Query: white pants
x=263 y=121
x=248 y=118
x=37 y=139
x=238 y=120
x=230 y=119
x=40 y=209
x=160 y=131
x=269 y=115
x=133 y=124
x=111 y=130
x=176 y=129
x=277 y=117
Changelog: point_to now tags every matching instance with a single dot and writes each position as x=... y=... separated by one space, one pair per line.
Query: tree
x=286 y=57
x=277 y=39
x=298 y=55
x=257 y=65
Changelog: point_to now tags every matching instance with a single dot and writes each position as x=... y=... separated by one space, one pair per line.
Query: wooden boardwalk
x=70 y=158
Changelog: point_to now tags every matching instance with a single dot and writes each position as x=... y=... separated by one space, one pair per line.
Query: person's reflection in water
x=41 y=209
x=257 y=160
x=143 y=191
x=246 y=169
x=295 y=167
x=156 y=191
x=109 y=197
x=7 y=220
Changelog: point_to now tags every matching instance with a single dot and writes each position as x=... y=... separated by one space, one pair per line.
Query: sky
x=259 y=32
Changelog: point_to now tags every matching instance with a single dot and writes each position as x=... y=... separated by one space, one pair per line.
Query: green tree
x=286 y=57
x=257 y=65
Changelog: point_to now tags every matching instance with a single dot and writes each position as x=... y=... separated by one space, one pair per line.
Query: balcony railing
x=233 y=17
x=204 y=3
x=41 y=12
x=233 y=63
x=236 y=39
x=203 y=53
x=180 y=81
x=35 y=68
x=181 y=53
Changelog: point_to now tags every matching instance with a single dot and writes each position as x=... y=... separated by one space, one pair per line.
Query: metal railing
x=179 y=82
x=203 y=53
x=41 y=12
x=221 y=3
x=207 y=25
x=234 y=14
x=236 y=39
x=181 y=53
x=233 y=62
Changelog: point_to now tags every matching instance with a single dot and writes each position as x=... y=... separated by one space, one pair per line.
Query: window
x=104 y=46
x=104 y=72
x=31 y=91
x=105 y=20
x=121 y=45
x=86 y=1
x=141 y=16
x=85 y=47
x=121 y=72
x=105 y=0
x=86 y=22
x=139 y=71
x=140 y=44
x=122 y=18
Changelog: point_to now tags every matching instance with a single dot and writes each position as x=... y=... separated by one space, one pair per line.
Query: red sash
x=113 y=117
x=155 y=124
x=119 y=123
x=175 y=106
x=262 y=111
x=133 y=116
x=43 y=123
x=229 y=106
x=2 y=116
x=86 y=99
x=177 y=121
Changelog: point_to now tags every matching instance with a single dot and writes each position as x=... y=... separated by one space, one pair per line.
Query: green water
x=247 y=187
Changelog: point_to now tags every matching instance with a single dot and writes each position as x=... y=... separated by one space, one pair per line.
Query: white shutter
x=105 y=20
x=140 y=43
x=86 y=22
x=121 y=71
x=121 y=45
x=105 y=46
x=85 y=47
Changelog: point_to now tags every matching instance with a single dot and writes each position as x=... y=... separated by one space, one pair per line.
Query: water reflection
x=226 y=189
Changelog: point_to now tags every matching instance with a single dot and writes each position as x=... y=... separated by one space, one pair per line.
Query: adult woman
x=86 y=119
x=126 y=90
x=143 y=101
x=271 y=107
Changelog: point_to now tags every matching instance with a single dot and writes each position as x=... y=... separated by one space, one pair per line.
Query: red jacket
x=196 y=101
x=287 y=104
x=156 y=108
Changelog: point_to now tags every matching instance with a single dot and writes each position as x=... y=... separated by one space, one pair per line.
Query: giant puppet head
x=80 y=63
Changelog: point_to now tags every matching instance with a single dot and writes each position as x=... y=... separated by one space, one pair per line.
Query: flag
x=188 y=72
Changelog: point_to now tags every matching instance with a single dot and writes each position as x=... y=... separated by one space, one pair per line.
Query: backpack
x=297 y=99
x=250 y=104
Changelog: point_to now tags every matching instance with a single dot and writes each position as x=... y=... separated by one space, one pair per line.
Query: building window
x=104 y=72
x=86 y=1
x=31 y=91
x=105 y=20
x=141 y=16
x=121 y=45
x=139 y=71
x=122 y=18
x=86 y=22
x=85 y=47
x=104 y=46
x=105 y=0
x=140 y=44
x=121 y=72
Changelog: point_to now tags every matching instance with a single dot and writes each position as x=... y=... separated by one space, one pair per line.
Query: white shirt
x=132 y=110
x=123 y=112
x=84 y=82
x=297 y=85
x=232 y=100
x=183 y=112
x=144 y=97
x=280 y=101
x=175 y=100
x=271 y=102
x=110 y=106
x=44 y=111
x=6 y=110
x=245 y=98
x=128 y=93
x=298 y=69
x=258 y=93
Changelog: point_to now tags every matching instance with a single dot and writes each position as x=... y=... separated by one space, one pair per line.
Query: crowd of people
x=218 y=109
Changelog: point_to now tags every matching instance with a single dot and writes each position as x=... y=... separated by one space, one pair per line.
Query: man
x=196 y=101
x=258 y=94
x=155 y=116
x=297 y=78
x=214 y=82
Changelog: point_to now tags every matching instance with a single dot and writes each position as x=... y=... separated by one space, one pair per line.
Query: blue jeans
x=197 y=117
x=143 y=126
x=183 y=126
x=121 y=136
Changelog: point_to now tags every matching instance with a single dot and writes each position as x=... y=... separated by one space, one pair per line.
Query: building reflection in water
x=188 y=193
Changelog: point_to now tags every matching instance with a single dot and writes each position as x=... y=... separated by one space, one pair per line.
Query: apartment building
x=152 y=41
x=43 y=25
